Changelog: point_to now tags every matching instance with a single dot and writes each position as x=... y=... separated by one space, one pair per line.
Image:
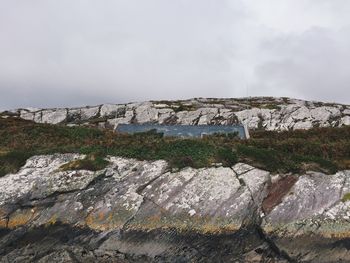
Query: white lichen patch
x=204 y=192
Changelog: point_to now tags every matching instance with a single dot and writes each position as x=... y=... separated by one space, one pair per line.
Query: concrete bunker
x=185 y=131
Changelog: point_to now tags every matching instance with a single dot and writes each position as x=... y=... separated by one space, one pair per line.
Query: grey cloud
x=67 y=53
x=312 y=65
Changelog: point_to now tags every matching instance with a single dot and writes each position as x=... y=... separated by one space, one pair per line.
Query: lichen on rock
x=142 y=209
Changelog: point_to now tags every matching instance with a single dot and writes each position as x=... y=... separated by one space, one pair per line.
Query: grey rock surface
x=140 y=211
x=314 y=212
x=256 y=112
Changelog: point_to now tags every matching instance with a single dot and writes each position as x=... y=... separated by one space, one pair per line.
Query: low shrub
x=266 y=158
x=324 y=149
x=327 y=165
x=227 y=156
x=11 y=161
x=151 y=133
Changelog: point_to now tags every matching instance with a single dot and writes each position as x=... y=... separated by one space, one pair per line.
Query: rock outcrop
x=256 y=112
x=143 y=211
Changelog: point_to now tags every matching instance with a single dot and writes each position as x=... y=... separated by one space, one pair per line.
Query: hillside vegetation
x=319 y=149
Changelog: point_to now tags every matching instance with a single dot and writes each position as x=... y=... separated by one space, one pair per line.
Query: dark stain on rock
x=82 y=245
x=277 y=191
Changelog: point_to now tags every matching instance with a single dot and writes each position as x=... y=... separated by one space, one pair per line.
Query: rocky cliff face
x=145 y=211
x=257 y=112
x=142 y=211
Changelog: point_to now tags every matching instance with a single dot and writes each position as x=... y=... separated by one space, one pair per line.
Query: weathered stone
x=302 y=125
x=226 y=117
x=312 y=194
x=73 y=115
x=301 y=113
x=89 y=113
x=40 y=178
x=38 y=117
x=257 y=113
x=32 y=109
x=165 y=114
x=129 y=116
x=188 y=117
x=345 y=120
x=139 y=208
x=111 y=110
x=122 y=202
x=145 y=112
x=313 y=217
x=208 y=200
x=53 y=116
x=323 y=114
x=207 y=114
x=241 y=168
x=254 y=118
x=26 y=115
x=257 y=182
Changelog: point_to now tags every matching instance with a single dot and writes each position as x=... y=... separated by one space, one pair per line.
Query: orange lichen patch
x=336 y=234
x=3 y=219
x=101 y=216
x=93 y=220
x=106 y=219
x=183 y=223
x=21 y=217
x=3 y=222
x=182 y=228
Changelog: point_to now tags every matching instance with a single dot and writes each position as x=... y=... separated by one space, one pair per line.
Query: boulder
x=53 y=116
x=311 y=223
x=146 y=113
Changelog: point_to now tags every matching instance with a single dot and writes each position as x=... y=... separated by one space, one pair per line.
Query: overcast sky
x=79 y=52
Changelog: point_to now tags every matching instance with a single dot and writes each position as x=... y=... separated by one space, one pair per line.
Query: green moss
x=346 y=197
x=90 y=162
